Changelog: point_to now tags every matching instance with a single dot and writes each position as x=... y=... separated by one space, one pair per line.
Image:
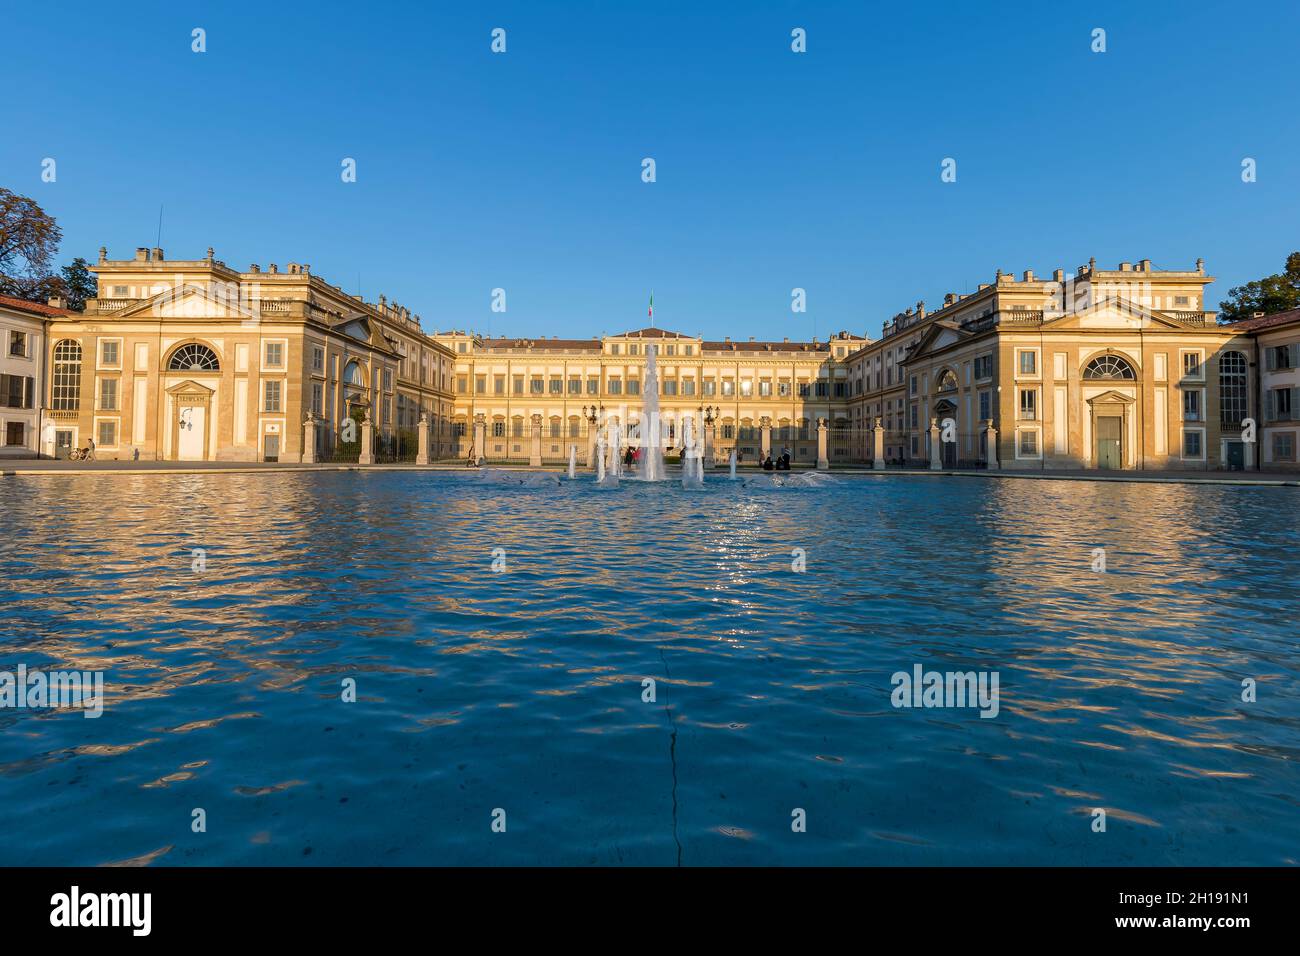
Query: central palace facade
x=194 y=360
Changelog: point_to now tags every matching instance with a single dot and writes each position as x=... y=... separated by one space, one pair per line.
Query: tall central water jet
x=652 y=451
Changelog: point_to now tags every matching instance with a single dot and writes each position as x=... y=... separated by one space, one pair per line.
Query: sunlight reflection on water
x=523 y=689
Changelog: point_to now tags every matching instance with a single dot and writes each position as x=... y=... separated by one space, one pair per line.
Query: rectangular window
x=728 y=387
x=984 y=366
x=1283 y=446
x=1028 y=362
x=108 y=434
x=575 y=385
x=108 y=354
x=670 y=350
x=1192 y=444
x=480 y=384
x=388 y=380
x=18 y=344
x=557 y=385
x=729 y=431
x=615 y=386
x=911 y=385
x=689 y=350
x=317 y=398
x=613 y=349
x=804 y=389
x=633 y=349
x=462 y=384
x=536 y=385
x=1028 y=443
x=710 y=387
x=1192 y=405
x=1192 y=365
x=765 y=388
x=498 y=384
x=317 y=359
x=17 y=391
x=822 y=390
x=670 y=385
x=746 y=387
x=275 y=355
x=14 y=434
x=1278 y=405
x=108 y=394
x=271 y=396
x=518 y=385
x=633 y=386
x=1028 y=401
x=783 y=389
x=688 y=386
x=985 y=409
x=839 y=389
x=593 y=385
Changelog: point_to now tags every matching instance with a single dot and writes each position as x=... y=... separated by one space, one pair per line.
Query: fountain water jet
x=733 y=464
x=573 y=460
x=652 y=452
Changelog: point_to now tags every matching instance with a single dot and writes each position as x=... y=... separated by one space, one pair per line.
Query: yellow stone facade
x=194 y=361
x=1104 y=369
x=750 y=392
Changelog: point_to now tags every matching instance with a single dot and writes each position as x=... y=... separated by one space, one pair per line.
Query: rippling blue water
x=522 y=689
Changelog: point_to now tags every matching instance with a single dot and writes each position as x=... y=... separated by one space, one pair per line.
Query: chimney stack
x=141 y=254
x=1146 y=265
x=157 y=254
x=1058 y=275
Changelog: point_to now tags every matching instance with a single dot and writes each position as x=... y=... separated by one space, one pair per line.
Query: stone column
x=991 y=445
x=708 y=444
x=765 y=436
x=308 y=456
x=422 y=453
x=936 y=449
x=877 y=445
x=479 y=450
x=535 y=454
x=823 y=463
x=367 y=454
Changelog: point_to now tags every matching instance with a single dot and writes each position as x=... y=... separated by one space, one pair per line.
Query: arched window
x=947 y=381
x=1108 y=367
x=352 y=375
x=67 y=376
x=1232 y=388
x=193 y=358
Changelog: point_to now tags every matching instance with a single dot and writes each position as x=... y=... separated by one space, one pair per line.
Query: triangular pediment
x=188 y=302
x=1114 y=314
x=939 y=336
x=358 y=328
x=1112 y=397
x=189 y=387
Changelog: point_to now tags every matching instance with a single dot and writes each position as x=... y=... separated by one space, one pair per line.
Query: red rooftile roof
x=1266 y=321
x=36 y=308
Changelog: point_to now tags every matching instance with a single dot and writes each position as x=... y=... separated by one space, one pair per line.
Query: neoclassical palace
x=1106 y=369
x=191 y=360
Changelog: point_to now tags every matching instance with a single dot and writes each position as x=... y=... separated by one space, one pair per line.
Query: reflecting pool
x=502 y=631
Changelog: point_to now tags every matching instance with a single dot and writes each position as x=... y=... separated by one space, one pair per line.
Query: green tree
x=29 y=239
x=77 y=284
x=1275 y=293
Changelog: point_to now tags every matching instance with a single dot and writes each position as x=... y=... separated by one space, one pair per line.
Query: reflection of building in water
x=192 y=360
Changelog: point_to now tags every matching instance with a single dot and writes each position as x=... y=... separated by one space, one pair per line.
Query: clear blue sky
x=775 y=170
